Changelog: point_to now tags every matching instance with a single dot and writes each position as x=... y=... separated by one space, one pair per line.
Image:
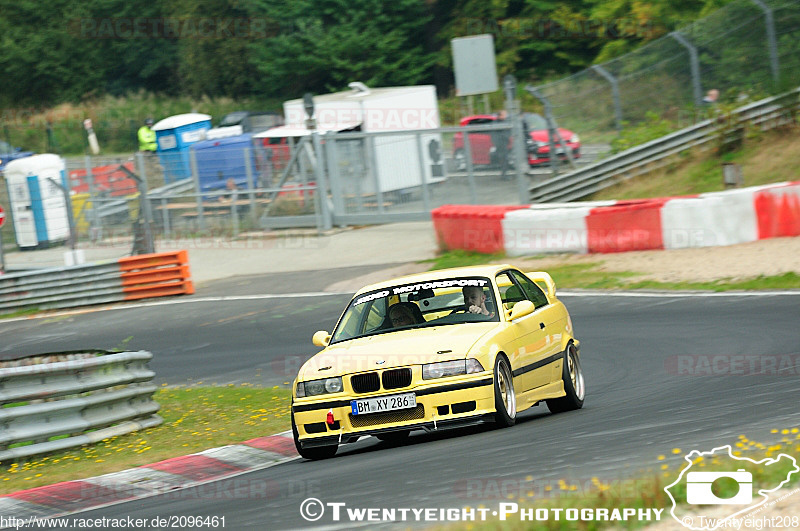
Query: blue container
x=222 y=159
x=175 y=136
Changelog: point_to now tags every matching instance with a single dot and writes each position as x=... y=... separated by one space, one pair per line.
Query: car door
x=525 y=338
x=550 y=319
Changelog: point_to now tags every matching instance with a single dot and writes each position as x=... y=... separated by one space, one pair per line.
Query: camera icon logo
x=699 y=488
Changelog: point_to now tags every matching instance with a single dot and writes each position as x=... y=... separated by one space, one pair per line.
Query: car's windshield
x=534 y=122
x=234 y=118
x=454 y=301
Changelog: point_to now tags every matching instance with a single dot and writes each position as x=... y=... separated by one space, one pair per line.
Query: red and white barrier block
x=705 y=220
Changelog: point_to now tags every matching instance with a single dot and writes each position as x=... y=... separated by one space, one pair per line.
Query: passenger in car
x=403 y=314
x=475 y=300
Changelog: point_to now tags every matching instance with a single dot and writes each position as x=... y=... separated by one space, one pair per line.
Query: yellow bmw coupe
x=435 y=350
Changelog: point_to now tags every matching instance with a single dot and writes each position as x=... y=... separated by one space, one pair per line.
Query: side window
x=510 y=293
x=376 y=315
x=533 y=292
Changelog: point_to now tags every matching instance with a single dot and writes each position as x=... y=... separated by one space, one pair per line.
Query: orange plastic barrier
x=476 y=228
x=156 y=275
x=778 y=211
x=107 y=179
x=627 y=226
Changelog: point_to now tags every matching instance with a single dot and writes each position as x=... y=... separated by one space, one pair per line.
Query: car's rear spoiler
x=544 y=278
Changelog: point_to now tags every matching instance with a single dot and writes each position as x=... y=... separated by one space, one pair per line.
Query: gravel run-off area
x=746 y=260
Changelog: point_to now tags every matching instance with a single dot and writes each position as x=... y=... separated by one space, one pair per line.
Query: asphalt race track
x=662 y=372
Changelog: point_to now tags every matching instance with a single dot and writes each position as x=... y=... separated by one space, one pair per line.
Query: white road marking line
x=267 y=296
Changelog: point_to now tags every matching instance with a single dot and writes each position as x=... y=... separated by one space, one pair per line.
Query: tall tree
x=213 y=47
x=321 y=45
x=533 y=38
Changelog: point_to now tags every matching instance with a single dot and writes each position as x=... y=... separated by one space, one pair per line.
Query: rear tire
x=505 y=401
x=572 y=375
x=314 y=454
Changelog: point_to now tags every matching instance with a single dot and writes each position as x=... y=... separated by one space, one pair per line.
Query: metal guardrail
x=80 y=398
x=130 y=278
x=766 y=113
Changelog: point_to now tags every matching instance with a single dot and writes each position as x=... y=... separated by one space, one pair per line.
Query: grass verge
x=642 y=492
x=19 y=313
x=765 y=158
x=195 y=419
x=587 y=275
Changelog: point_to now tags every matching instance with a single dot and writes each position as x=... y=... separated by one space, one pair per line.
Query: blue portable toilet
x=38 y=206
x=174 y=136
x=221 y=159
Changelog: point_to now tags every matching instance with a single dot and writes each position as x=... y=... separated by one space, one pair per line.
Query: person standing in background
x=147 y=137
x=148 y=146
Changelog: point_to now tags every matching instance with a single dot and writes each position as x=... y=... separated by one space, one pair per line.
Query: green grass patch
x=195 y=419
x=590 y=275
x=459 y=258
x=776 y=282
x=767 y=157
x=19 y=313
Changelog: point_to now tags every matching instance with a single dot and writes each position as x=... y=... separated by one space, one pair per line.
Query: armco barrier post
x=95 y=224
x=73 y=236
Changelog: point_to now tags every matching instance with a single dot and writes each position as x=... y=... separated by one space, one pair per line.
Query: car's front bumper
x=467 y=401
x=542 y=155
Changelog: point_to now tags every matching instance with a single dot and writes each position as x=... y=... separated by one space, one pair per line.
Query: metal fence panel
x=734 y=54
x=51 y=405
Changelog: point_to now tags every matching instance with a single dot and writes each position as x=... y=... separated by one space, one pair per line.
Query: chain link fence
x=132 y=202
x=745 y=50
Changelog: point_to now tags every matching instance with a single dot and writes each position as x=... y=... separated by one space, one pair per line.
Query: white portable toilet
x=38 y=206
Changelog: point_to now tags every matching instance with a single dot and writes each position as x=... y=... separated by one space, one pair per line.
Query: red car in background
x=483 y=149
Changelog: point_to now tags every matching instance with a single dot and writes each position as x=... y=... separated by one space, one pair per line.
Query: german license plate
x=381 y=404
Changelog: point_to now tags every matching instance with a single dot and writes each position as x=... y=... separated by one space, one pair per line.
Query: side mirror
x=521 y=309
x=321 y=338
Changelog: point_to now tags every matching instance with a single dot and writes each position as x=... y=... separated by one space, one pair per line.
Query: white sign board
x=167 y=142
x=474 y=65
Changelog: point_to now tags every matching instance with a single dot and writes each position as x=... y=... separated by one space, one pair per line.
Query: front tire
x=314 y=454
x=572 y=376
x=505 y=401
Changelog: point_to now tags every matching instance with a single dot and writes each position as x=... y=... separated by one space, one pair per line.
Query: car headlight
x=441 y=369
x=575 y=138
x=319 y=387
